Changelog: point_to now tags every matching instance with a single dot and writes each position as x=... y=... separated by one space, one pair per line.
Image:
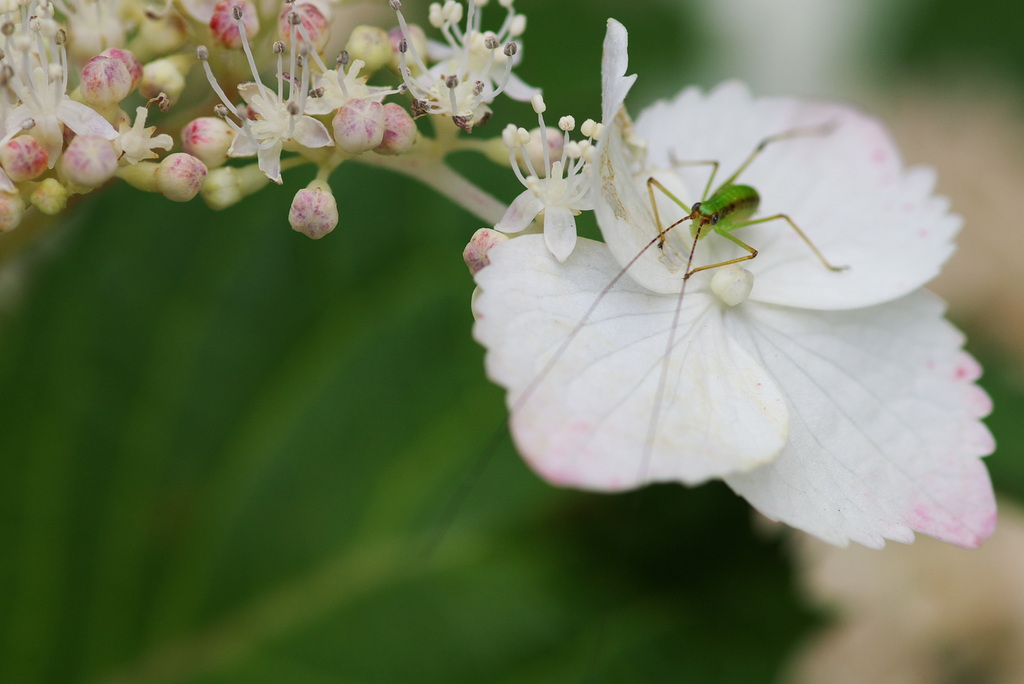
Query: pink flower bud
x=483 y=240
x=88 y=161
x=180 y=176
x=314 y=210
x=12 y=207
x=312 y=18
x=128 y=59
x=23 y=158
x=399 y=130
x=224 y=26
x=207 y=138
x=105 y=81
x=359 y=125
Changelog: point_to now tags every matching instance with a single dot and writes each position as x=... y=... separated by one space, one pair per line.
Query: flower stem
x=434 y=173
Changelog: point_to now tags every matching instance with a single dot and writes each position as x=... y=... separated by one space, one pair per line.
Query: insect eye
x=714 y=219
x=695 y=208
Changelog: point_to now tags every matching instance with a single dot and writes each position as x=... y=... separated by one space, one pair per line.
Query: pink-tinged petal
x=84 y=120
x=559 y=232
x=583 y=402
x=845 y=187
x=311 y=133
x=520 y=213
x=885 y=436
x=270 y=162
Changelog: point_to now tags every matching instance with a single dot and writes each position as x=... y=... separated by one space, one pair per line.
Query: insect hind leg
x=753 y=252
x=801 y=132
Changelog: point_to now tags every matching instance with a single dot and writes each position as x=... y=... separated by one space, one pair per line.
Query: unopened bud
x=370 y=44
x=208 y=139
x=162 y=76
x=224 y=25
x=50 y=196
x=160 y=36
x=359 y=125
x=180 y=176
x=230 y=184
x=23 y=158
x=399 y=130
x=12 y=208
x=88 y=161
x=314 y=211
x=128 y=59
x=105 y=81
x=315 y=18
x=475 y=253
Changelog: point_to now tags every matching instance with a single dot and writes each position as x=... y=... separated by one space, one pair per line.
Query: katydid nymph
x=729 y=207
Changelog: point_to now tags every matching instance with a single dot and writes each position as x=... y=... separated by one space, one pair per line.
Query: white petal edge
x=582 y=411
x=614 y=62
x=885 y=436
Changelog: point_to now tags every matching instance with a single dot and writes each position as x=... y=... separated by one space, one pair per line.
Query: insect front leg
x=652 y=183
x=733 y=238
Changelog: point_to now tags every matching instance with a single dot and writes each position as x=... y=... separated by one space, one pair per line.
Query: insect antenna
x=659 y=396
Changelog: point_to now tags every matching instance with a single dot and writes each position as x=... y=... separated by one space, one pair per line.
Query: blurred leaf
x=228 y=449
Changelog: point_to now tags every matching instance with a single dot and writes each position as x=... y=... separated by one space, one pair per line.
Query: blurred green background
x=232 y=454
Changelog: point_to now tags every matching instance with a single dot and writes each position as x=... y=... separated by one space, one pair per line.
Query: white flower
x=473 y=67
x=840 y=403
x=273 y=122
x=276 y=123
x=335 y=87
x=560 y=197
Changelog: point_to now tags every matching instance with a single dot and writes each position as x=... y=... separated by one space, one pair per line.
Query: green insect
x=730 y=207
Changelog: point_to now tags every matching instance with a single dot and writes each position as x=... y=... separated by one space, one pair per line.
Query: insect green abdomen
x=733 y=204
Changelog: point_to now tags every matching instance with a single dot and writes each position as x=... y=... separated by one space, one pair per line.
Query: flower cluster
x=81 y=82
x=324 y=111
x=65 y=71
x=834 y=399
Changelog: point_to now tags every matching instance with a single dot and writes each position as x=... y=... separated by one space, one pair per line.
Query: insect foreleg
x=662 y=230
x=795 y=227
x=733 y=238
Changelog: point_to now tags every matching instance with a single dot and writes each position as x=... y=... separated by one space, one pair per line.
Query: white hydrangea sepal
x=584 y=421
x=885 y=430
